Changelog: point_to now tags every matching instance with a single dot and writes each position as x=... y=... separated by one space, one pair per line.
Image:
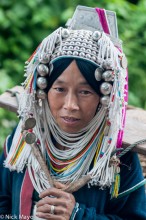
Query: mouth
x=70 y=119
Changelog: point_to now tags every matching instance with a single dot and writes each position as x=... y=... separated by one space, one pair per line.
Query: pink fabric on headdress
x=103 y=20
x=104 y=23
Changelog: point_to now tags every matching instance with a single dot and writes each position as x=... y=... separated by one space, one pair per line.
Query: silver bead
x=90 y=42
x=30 y=138
x=105 y=100
x=96 y=35
x=93 y=52
x=64 y=52
x=82 y=54
x=98 y=74
x=42 y=82
x=106 y=88
x=88 y=51
x=66 y=43
x=72 y=43
x=85 y=40
x=70 y=48
x=64 y=48
x=29 y=123
x=88 y=56
x=41 y=94
x=108 y=75
x=76 y=48
x=69 y=52
x=75 y=53
x=42 y=69
x=93 y=58
x=78 y=43
x=83 y=49
x=45 y=58
x=65 y=33
x=84 y=44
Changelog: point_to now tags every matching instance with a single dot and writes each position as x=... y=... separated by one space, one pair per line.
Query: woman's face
x=72 y=101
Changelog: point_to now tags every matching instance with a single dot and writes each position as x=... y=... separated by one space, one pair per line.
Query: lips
x=70 y=119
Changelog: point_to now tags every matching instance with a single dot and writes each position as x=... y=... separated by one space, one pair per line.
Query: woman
x=65 y=154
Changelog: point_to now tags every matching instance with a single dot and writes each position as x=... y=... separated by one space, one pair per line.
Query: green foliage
x=25 y=23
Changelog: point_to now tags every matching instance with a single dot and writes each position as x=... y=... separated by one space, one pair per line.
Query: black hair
x=86 y=68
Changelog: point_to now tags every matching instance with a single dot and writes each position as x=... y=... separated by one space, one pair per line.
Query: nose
x=71 y=102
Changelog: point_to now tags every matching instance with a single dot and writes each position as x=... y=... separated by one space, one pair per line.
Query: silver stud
x=83 y=49
x=69 y=52
x=85 y=40
x=63 y=52
x=64 y=48
x=106 y=88
x=88 y=56
x=88 y=51
x=96 y=35
x=42 y=82
x=93 y=58
x=98 y=74
x=105 y=100
x=70 y=48
x=108 y=75
x=84 y=44
x=76 y=48
x=82 y=54
x=78 y=43
x=75 y=53
x=93 y=52
x=42 y=69
x=65 y=33
x=41 y=94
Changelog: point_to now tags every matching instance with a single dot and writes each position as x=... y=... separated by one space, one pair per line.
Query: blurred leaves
x=25 y=23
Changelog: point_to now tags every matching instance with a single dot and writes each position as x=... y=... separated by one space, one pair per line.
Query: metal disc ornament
x=98 y=74
x=124 y=62
x=30 y=138
x=29 y=123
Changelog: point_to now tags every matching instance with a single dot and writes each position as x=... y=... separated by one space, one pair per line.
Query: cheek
x=91 y=110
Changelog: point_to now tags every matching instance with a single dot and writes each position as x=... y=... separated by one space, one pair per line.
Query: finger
x=54 y=192
x=58 y=210
x=59 y=185
x=52 y=201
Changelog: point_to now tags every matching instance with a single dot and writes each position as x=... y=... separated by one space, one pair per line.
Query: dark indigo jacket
x=16 y=193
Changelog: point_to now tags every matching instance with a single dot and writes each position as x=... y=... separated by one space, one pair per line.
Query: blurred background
x=23 y=25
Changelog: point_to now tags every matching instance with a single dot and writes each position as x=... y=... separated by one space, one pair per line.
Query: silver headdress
x=90 y=35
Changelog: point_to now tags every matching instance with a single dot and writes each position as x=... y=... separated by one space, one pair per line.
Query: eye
x=59 y=89
x=85 y=92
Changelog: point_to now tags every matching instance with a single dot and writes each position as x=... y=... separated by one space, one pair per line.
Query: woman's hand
x=56 y=201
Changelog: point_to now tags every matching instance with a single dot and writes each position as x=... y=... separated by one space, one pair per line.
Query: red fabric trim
x=26 y=197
